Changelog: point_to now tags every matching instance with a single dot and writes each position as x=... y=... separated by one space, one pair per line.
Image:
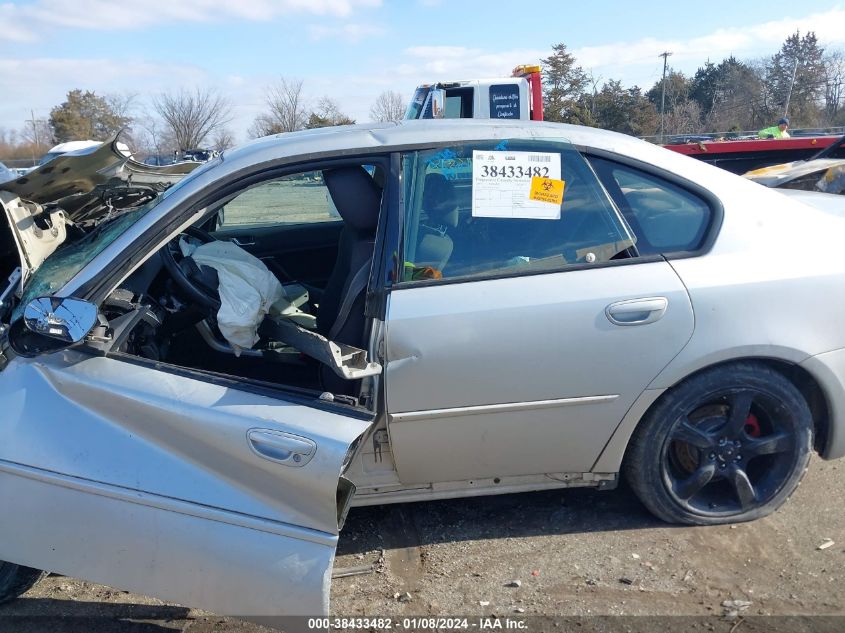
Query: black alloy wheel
x=729 y=444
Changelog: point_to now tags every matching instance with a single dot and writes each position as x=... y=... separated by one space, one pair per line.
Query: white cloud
x=350 y=32
x=631 y=61
x=634 y=62
x=433 y=63
x=27 y=21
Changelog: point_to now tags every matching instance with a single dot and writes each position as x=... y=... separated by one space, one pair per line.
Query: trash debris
x=403 y=597
x=536 y=572
x=635 y=556
x=592 y=582
x=484 y=603
x=826 y=544
x=688 y=576
x=357 y=570
x=626 y=581
x=519 y=610
x=380 y=565
x=514 y=583
x=732 y=608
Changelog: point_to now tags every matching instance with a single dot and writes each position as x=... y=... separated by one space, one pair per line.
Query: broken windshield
x=70 y=258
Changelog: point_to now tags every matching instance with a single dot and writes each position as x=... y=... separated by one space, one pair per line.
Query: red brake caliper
x=752 y=426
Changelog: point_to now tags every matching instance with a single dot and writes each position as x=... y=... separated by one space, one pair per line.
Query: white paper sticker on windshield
x=501 y=184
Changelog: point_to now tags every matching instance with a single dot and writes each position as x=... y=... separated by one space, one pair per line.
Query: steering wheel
x=183 y=271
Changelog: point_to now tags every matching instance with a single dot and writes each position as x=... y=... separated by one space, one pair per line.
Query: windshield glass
x=70 y=258
x=415 y=106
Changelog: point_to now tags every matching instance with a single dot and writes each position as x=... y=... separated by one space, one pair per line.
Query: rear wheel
x=16 y=580
x=730 y=444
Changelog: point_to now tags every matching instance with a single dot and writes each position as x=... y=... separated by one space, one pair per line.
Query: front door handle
x=246 y=240
x=284 y=448
x=637 y=311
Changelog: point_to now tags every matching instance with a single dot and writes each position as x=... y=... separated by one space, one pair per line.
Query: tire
x=729 y=444
x=16 y=580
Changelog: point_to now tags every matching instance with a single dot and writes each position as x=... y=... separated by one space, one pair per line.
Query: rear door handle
x=637 y=311
x=284 y=448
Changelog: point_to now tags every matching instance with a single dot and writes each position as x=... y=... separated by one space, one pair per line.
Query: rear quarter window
x=665 y=217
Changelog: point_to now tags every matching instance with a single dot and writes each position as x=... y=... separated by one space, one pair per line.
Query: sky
x=352 y=50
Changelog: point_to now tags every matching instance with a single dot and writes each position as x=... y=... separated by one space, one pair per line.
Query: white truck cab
x=517 y=97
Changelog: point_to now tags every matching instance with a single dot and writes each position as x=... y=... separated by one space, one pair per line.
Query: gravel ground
x=576 y=553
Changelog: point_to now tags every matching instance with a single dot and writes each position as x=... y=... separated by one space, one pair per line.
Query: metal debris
x=358 y=570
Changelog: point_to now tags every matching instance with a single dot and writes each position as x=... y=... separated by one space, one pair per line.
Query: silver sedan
x=197 y=384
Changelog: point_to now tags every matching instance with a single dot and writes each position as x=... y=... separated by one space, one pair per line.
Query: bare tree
x=222 y=140
x=288 y=111
x=152 y=138
x=192 y=116
x=328 y=114
x=834 y=86
x=389 y=106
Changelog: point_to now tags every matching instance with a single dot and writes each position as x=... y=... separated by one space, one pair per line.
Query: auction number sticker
x=502 y=185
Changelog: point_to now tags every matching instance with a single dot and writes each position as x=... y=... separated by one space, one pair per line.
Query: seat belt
x=356 y=285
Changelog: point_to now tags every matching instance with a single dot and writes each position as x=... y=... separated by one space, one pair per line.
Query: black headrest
x=356 y=196
x=439 y=199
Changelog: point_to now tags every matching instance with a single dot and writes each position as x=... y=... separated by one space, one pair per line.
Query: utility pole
x=34 y=127
x=35 y=134
x=791 y=84
x=665 y=56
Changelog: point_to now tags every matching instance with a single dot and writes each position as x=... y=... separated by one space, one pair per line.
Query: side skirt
x=482 y=487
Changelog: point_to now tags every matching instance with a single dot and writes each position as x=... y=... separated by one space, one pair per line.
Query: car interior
x=323 y=267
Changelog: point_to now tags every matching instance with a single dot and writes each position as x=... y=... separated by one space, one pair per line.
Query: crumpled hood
x=80 y=188
x=81 y=172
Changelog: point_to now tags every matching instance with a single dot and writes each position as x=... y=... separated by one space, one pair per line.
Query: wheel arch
x=611 y=458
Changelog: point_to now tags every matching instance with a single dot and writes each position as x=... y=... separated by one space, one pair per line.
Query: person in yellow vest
x=776 y=131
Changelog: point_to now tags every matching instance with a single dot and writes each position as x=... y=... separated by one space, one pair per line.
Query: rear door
x=156 y=480
x=521 y=333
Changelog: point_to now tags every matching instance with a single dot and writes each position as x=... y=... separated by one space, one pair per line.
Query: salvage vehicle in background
x=197 y=385
x=824 y=171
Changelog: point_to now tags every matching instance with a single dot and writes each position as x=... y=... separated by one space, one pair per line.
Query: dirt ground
x=571 y=553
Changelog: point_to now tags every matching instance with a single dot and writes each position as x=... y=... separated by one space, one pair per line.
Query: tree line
x=173 y=122
x=802 y=80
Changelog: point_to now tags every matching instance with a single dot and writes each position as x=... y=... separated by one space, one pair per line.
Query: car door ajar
x=164 y=484
x=521 y=354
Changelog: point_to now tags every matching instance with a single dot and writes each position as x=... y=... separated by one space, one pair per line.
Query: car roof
x=374 y=136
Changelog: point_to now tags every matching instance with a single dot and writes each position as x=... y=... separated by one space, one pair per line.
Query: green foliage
x=625 y=110
x=86 y=116
x=563 y=87
x=805 y=58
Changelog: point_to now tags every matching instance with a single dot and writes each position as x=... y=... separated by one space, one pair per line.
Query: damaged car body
x=201 y=381
x=824 y=172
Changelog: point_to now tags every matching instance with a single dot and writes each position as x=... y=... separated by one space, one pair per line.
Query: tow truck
x=519 y=96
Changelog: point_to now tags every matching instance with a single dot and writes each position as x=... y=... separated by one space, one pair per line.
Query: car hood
x=779 y=175
x=81 y=188
x=80 y=172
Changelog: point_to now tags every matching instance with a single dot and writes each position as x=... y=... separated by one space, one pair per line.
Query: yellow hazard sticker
x=546 y=190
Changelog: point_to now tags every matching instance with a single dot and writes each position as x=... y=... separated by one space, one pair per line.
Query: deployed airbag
x=248 y=291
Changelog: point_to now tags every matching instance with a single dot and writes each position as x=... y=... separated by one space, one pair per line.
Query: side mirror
x=63 y=319
x=438 y=103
